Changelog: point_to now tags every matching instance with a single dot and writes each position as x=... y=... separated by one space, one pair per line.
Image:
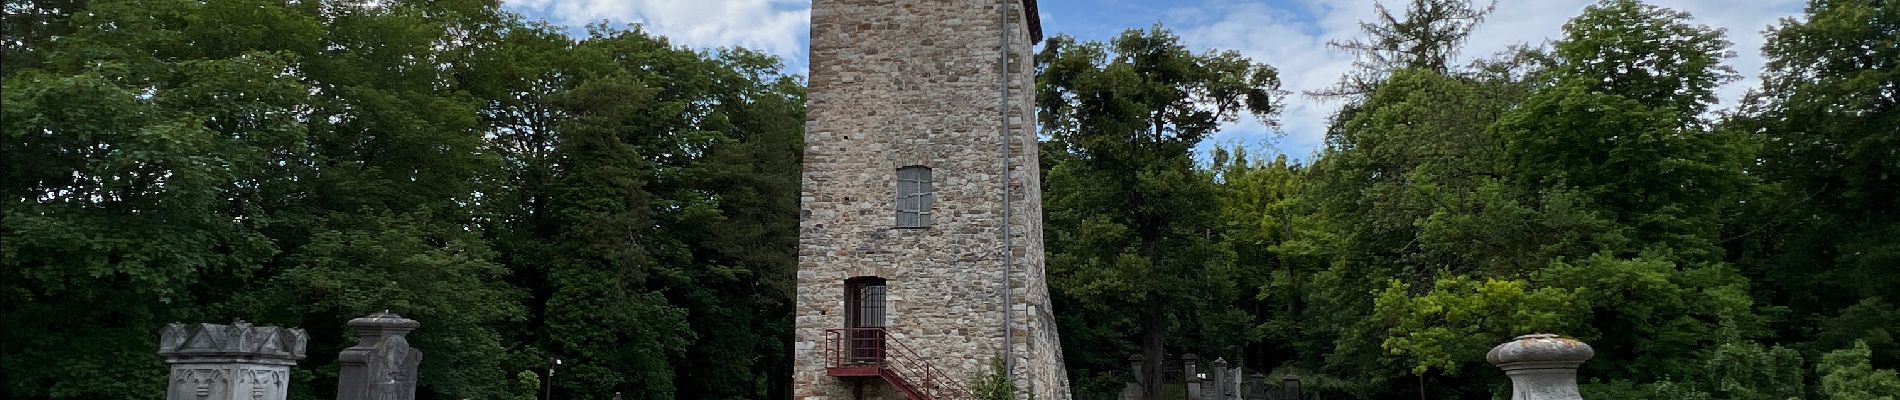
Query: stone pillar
x=1191 y=376
x=1290 y=386
x=1135 y=363
x=1133 y=391
x=1256 y=388
x=1221 y=380
x=229 y=362
x=381 y=366
x=1541 y=366
x=1234 y=378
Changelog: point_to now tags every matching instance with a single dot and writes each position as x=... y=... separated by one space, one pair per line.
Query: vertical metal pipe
x=1009 y=357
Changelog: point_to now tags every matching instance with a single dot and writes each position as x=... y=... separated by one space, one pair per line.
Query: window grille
x=913 y=197
x=865 y=302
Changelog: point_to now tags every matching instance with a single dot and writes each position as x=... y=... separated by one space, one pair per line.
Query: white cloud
x=1289 y=34
x=778 y=27
x=1293 y=45
x=1293 y=40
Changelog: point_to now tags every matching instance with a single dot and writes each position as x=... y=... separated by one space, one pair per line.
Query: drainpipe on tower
x=1009 y=356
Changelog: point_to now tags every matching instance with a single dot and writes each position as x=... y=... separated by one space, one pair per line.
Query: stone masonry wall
x=907 y=82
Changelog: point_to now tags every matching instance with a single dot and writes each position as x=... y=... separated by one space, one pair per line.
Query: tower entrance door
x=865 y=319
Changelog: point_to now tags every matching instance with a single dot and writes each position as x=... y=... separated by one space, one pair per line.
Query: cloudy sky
x=1288 y=34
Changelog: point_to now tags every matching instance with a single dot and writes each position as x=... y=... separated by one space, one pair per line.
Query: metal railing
x=896 y=362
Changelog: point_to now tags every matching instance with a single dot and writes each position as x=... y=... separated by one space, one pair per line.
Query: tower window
x=913 y=197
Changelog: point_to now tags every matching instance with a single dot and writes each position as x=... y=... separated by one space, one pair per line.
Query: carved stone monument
x=1541 y=366
x=229 y=362
x=381 y=366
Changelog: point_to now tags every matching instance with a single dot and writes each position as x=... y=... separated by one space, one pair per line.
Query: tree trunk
x=1152 y=342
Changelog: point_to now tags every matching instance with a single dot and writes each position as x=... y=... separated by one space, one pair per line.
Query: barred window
x=913 y=197
x=864 y=302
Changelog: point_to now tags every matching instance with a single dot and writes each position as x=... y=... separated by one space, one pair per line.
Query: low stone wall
x=240 y=361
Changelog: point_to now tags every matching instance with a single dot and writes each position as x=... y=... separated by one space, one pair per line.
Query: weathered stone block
x=381 y=366
x=229 y=362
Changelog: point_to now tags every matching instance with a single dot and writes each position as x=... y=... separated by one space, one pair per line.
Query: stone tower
x=902 y=228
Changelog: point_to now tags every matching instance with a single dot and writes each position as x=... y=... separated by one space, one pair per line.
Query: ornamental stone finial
x=229 y=362
x=1542 y=366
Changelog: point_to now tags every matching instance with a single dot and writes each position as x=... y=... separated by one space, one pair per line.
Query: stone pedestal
x=1226 y=382
x=1541 y=366
x=1192 y=375
x=381 y=366
x=1290 y=386
x=229 y=362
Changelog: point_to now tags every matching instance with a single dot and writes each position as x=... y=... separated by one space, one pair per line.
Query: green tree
x=603 y=313
x=1435 y=331
x=1129 y=225
x=1823 y=238
x=1620 y=126
x=1411 y=187
x=1750 y=371
x=1651 y=55
x=1435 y=178
x=131 y=169
x=372 y=211
x=1846 y=374
x=227 y=165
x=743 y=241
x=1426 y=37
x=655 y=187
x=1260 y=213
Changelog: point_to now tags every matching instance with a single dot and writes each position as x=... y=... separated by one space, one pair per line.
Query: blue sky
x=1287 y=34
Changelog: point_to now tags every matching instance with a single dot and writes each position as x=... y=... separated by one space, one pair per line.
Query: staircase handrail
x=889 y=354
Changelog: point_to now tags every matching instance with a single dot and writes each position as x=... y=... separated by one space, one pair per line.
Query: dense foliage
x=630 y=206
x=612 y=200
x=1126 y=207
x=1583 y=187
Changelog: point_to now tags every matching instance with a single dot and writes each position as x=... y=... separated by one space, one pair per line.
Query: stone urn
x=1541 y=366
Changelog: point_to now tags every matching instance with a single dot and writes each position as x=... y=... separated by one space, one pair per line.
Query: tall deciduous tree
x=1261 y=213
x=1127 y=208
x=1823 y=237
x=288 y=163
x=612 y=199
x=1466 y=197
x=649 y=210
x=1622 y=125
x=133 y=169
x=1847 y=374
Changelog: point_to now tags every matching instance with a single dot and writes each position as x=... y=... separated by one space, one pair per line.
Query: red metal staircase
x=872 y=352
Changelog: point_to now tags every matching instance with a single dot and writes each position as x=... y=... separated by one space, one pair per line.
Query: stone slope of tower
x=912 y=83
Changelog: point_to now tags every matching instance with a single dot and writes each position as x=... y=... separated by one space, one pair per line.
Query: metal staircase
x=872 y=352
